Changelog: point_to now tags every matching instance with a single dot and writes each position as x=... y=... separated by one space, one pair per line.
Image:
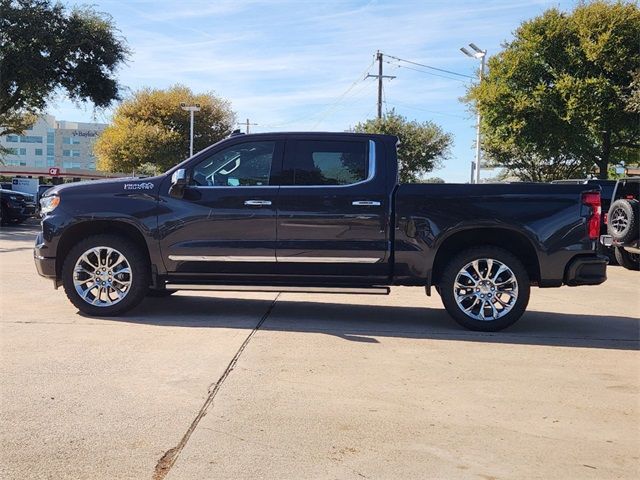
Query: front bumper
x=20 y=211
x=591 y=270
x=46 y=266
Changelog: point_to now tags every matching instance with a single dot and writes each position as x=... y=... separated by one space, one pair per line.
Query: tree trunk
x=603 y=163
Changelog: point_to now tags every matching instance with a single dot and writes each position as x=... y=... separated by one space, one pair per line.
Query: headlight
x=15 y=198
x=49 y=204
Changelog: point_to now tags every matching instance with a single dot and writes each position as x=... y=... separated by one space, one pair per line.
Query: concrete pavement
x=334 y=386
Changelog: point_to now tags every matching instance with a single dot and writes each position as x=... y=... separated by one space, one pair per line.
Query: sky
x=300 y=65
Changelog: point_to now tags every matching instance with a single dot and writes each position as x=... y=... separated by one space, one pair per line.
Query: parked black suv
x=15 y=207
x=623 y=223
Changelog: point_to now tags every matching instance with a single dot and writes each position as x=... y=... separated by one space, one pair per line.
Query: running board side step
x=283 y=288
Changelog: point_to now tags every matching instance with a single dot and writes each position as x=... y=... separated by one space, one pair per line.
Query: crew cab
x=316 y=212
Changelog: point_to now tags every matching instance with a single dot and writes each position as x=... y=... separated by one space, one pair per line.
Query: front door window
x=243 y=165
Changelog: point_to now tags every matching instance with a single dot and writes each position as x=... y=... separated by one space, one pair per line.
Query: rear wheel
x=630 y=261
x=485 y=289
x=105 y=275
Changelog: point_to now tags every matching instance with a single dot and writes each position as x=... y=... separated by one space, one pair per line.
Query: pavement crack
x=169 y=458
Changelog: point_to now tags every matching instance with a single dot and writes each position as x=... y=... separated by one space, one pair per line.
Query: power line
x=331 y=107
x=325 y=113
x=413 y=107
x=430 y=67
x=336 y=106
x=428 y=73
x=328 y=107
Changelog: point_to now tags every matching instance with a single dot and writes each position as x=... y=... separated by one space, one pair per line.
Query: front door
x=332 y=210
x=226 y=222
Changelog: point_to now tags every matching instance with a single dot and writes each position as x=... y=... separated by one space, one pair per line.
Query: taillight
x=592 y=200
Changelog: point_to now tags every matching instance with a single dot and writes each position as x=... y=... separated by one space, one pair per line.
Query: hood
x=27 y=196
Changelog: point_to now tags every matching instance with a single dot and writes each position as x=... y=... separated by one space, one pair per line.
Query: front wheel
x=485 y=289
x=105 y=275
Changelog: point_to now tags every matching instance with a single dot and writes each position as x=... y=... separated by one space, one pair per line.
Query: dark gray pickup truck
x=316 y=212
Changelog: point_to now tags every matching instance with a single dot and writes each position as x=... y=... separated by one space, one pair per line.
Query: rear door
x=332 y=209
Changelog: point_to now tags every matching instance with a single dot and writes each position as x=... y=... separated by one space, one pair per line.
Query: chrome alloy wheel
x=102 y=276
x=619 y=220
x=485 y=289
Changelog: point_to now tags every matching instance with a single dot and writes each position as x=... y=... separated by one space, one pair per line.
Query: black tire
x=487 y=271
x=630 y=261
x=139 y=277
x=622 y=220
x=160 y=293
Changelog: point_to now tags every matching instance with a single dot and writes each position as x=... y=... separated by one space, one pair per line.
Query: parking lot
x=291 y=386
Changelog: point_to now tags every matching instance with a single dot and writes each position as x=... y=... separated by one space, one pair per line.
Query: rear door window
x=326 y=162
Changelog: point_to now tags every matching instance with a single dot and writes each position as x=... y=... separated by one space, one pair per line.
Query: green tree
x=434 y=180
x=423 y=146
x=560 y=99
x=45 y=49
x=150 y=131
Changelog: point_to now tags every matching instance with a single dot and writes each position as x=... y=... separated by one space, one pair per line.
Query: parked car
x=15 y=207
x=623 y=223
x=316 y=212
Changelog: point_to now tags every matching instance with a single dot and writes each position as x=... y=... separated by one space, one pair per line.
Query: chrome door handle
x=365 y=203
x=257 y=203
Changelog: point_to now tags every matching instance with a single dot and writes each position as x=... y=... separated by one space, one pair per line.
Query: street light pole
x=191 y=133
x=191 y=109
x=479 y=54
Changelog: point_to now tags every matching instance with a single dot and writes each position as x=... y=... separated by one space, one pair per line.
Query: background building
x=52 y=143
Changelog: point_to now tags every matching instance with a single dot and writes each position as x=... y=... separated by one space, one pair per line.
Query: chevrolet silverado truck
x=316 y=212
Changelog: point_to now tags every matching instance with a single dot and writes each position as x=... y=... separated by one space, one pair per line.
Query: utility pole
x=246 y=125
x=482 y=55
x=191 y=109
x=380 y=77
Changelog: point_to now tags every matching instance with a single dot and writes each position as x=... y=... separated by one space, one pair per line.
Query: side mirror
x=178 y=182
